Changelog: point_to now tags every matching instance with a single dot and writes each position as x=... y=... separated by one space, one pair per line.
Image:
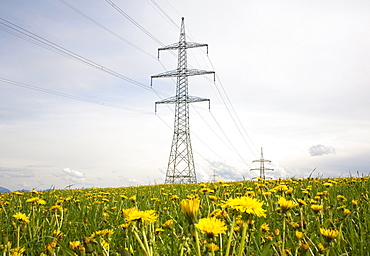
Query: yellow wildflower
x=168 y=223
x=286 y=205
x=301 y=202
x=211 y=226
x=132 y=198
x=299 y=234
x=17 y=251
x=175 y=197
x=329 y=234
x=304 y=247
x=316 y=207
x=212 y=247
x=245 y=204
x=56 y=208
x=21 y=216
x=104 y=232
x=264 y=227
x=190 y=208
x=134 y=214
x=32 y=200
x=341 y=198
x=218 y=213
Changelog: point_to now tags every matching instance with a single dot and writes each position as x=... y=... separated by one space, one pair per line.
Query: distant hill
x=4 y=190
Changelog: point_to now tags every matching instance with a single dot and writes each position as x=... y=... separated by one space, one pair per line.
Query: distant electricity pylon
x=181 y=163
x=262 y=168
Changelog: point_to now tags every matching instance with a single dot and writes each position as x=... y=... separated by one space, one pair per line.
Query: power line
x=237 y=117
x=113 y=33
x=236 y=151
x=31 y=37
x=106 y=29
x=134 y=22
x=163 y=13
x=72 y=97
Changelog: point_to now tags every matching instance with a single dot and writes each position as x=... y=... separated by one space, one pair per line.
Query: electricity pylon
x=262 y=168
x=181 y=163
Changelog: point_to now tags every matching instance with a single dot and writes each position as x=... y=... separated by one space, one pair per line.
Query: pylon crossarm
x=197 y=72
x=169 y=100
x=174 y=46
x=166 y=74
x=194 y=45
x=198 y=99
x=171 y=73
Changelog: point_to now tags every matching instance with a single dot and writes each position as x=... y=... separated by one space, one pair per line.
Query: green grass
x=70 y=215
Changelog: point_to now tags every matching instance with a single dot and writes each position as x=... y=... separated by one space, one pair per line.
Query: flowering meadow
x=310 y=216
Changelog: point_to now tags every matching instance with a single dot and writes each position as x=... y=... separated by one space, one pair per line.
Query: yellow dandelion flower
x=41 y=202
x=299 y=234
x=146 y=217
x=212 y=247
x=304 y=247
x=168 y=223
x=245 y=204
x=17 y=251
x=211 y=226
x=218 y=213
x=317 y=207
x=264 y=227
x=269 y=237
x=286 y=205
x=321 y=247
x=346 y=212
x=124 y=225
x=132 y=198
x=341 y=198
x=212 y=198
x=32 y=200
x=328 y=184
x=301 y=202
x=56 y=208
x=21 y=216
x=104 y=232
x=175 y=197
x=105 y=245
x=190 y=208
x=329 y=234
x=354 y=202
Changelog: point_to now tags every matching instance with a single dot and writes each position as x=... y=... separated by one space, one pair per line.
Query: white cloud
x=73 y=176
x=73 y=173
x=320 y=150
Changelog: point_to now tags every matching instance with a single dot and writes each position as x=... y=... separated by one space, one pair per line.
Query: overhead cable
x=134 y=22
x=72 y=97
x=106 y=29
x=31 y=37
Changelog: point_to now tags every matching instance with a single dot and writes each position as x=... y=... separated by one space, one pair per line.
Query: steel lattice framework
x=181 y=163
x=262 y=168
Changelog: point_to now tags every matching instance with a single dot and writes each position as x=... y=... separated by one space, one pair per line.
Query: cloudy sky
x=76 y=106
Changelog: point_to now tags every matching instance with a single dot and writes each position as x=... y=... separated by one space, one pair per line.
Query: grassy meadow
x=309 y=216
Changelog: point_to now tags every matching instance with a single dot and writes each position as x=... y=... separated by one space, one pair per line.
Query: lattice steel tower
x=262 y=168
x=181 y=163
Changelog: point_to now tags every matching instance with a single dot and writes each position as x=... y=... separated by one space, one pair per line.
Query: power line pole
x=262 y=168
x=181 y=163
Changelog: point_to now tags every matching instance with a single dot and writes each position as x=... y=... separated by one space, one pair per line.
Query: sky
x=77 y=106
